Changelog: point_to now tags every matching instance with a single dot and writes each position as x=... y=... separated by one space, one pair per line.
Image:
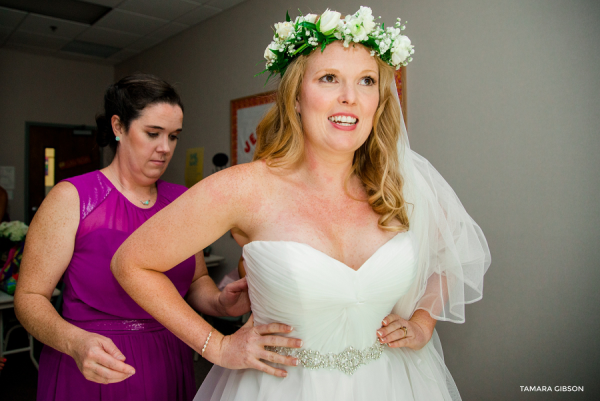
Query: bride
x=353 y=239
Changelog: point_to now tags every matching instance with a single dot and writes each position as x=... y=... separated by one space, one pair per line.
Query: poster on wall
x=247 y=112
x=194 y=166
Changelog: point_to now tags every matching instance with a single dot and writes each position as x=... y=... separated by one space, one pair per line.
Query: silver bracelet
x=206 y=343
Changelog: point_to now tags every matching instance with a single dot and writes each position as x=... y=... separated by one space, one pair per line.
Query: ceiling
x=101 y=31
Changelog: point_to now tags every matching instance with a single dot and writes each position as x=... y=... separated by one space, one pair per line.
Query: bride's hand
x=246 y=347
x=418 y=332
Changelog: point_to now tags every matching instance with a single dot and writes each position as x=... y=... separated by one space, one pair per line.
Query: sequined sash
x=117 y=325
x=347 y=361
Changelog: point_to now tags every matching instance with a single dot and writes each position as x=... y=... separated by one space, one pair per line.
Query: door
x=75 y=153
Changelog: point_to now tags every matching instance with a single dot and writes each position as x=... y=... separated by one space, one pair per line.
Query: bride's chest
x=345 y=231
x=289 y=270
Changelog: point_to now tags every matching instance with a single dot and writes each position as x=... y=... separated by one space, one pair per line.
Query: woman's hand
x=234 y=298
x=99 y=359
x=418 y=331
x=246 y=347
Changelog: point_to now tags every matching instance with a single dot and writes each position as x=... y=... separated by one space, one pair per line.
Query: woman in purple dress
x=105 y=347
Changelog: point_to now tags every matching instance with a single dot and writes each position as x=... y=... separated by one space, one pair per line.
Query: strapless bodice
x=330 y=305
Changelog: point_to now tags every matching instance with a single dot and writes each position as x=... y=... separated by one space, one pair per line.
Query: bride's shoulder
x=252 y=172
x=246 y=177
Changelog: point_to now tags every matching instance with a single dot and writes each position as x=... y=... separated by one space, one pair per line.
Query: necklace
x=144 y=202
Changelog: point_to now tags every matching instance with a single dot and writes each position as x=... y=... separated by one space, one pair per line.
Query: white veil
x=453 y=253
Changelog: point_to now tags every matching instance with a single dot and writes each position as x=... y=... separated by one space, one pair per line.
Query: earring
x=117 y=138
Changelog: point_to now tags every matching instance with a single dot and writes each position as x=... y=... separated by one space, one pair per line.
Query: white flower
x=269 y=55
x=329 y=20
x=310 y=18
x=358 y=32
x=399 y=55
x=365 y=16
x=403 y=41
x=355 y=28
x=401 y=50
x=284 y=29
x=14 y=231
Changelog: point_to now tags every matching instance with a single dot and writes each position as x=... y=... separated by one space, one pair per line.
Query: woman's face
x=338 y=98
x=148 y=145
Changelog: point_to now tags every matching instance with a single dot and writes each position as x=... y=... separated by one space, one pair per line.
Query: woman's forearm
x=40 y=319
x=203 y=296
x=157 y=295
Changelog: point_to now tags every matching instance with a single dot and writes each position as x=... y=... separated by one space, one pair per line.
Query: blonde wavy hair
x=376 y=164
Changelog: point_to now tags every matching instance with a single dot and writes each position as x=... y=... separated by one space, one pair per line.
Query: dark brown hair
x=127 y=98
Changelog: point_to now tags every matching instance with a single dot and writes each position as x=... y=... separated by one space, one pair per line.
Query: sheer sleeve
x=453 y=252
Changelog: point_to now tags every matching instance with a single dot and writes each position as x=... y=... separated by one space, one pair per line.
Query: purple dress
x=95 y=302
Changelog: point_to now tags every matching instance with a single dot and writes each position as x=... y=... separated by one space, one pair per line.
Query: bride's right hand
x=246 y=347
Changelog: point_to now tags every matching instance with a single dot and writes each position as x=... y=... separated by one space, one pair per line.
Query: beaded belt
x=348 y=361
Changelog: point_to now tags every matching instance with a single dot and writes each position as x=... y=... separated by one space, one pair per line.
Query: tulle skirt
x=163 y=365
x=399 y=374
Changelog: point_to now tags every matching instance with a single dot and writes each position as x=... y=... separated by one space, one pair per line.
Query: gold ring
x=405 y=331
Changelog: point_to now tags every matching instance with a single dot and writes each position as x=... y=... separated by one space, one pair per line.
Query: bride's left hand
x=234 y=298
x=394 y=336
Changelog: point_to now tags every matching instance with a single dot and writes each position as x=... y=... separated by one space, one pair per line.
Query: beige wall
x=503 y=99
x=48 y=90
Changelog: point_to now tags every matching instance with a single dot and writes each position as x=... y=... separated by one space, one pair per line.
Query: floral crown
x=308 y=32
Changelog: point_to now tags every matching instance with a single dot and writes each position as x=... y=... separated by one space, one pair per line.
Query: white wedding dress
x=332 y=308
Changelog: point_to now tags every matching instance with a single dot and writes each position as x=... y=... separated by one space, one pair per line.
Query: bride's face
x=338 y=98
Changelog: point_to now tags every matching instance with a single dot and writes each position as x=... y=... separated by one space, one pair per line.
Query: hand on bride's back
x=246 y=347
x=234 y=298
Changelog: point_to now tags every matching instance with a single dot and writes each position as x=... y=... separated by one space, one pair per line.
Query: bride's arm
x=189 y=224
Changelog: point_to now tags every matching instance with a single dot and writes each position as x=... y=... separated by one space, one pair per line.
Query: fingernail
x=290 y=328
x=296 y=362
x=284 y=374
x=131 y=372
x=384 y=323
x=300 y=343
x=379 y=333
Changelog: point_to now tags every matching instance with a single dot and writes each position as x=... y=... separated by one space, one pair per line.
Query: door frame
x=28 y=125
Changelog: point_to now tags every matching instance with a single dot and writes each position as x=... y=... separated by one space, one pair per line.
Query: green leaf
x=318 y=26
x=309 y=25
x=304 y=46
x=260 y=73
x=287 y=17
